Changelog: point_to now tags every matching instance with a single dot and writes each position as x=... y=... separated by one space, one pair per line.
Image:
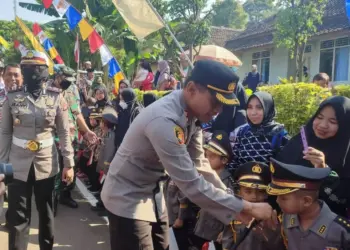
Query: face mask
x=31 y=76
x=65 y=84
x=123 y=105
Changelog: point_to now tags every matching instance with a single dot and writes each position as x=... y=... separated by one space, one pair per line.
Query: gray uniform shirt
x=30 y=119
x=329 y=232
x=153 y=144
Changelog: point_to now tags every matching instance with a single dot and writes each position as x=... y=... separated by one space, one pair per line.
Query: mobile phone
x=303 y=138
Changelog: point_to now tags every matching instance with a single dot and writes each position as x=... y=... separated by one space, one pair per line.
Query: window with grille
x=262 y=60
x=335 y=57
x=308 y=48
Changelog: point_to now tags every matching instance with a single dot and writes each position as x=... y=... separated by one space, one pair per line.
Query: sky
x=7 y=12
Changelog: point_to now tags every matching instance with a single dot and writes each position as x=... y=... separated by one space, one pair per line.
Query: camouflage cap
x=68 y=72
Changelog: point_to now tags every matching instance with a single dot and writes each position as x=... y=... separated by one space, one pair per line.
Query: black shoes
x=67 y=200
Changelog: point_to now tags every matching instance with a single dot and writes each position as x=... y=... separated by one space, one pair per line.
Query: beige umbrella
x=217 y=53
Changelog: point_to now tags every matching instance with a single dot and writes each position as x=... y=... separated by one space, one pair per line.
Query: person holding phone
x=328 y=138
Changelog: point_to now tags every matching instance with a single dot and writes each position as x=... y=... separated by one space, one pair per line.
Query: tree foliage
x=259 y=9
x=295 y=23
x=229 y=13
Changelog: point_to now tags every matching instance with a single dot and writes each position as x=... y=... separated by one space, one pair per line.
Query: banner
x=3 y=42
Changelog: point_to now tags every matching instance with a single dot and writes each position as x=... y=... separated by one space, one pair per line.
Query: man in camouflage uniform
x=64 y=80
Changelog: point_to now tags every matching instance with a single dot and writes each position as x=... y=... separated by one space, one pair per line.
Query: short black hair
x=12 y=65
x=90 y=70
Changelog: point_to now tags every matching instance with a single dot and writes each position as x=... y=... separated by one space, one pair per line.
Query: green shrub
x=295 y=102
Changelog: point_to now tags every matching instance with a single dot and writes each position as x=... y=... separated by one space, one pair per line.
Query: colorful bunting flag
x=4 y=42
x=113 y=68
x=20 y=47
x=139 y=16
x=36 y=45
x=59 y=59
x=73 y=17
x=106 y=55
x=61 y=6
x=85 y=29
x=47 y=3
x=77 y=50
x=95 y=41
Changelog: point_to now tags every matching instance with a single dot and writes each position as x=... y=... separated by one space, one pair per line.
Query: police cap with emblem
x=109 y=114
x=68 y=72
x=95 y=113
x=33 y=57
x=220 y=144
x=287 y=178
x=253 y=175
x=218 y=78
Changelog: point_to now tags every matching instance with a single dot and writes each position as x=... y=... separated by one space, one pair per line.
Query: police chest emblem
x=179 y=134
x=19 y=98
x=219 y=137
x=49 y=101
x=19 y=101
x=257 y=169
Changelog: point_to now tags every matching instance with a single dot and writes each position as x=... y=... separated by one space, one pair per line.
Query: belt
x=32 y=145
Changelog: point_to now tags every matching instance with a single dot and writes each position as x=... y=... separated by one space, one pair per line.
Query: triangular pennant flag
x=95 y=41
x=73 y=17
x=42 y=37
x=113 y=68
x=53 y=52
x=77 y=50
x=117 y=78
x=47 y=45
x=36 y=29
x=106 y=55
x=61 y=6
x=59 y=59
x=47 y=3
x=85 y=29
x=20 y=47
x=16 y=44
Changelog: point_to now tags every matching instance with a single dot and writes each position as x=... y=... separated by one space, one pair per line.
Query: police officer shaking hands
x=31 y=116
x=166 y=138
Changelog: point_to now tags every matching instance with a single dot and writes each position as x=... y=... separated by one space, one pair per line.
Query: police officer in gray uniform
x=31 y=117
x=166 y=136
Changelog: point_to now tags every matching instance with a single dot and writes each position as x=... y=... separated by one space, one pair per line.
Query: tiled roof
x=220 y=35
x=260 y=34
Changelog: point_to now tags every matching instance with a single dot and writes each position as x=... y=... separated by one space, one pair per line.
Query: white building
x=327 y=51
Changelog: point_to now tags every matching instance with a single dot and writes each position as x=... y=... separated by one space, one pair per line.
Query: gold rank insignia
x=179 y=134
x=257 y=169
x=219 y=137
x=19 y=98
x=49 y=101
x=30 y=54
x=272 y=169
x=231 y=86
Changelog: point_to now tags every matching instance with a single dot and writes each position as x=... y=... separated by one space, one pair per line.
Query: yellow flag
x=36 y=45
x=4 y=42
x=139 y=16
x=85 y=29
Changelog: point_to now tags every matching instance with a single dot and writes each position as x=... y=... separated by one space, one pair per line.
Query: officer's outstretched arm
x=168 y=141
x=62 y=125
x=6 y=131
x=195 y=149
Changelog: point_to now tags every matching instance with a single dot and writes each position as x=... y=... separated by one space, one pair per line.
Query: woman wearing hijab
x=328 y=138
x=101 y=97
x=128 y=108
x=262 y=137
x=165 y=81
x=148 y=99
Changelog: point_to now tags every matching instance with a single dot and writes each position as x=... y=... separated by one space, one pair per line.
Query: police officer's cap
x=95 y=113
x=33 y=57
x=253 y=175
x=109 y=114
x=218 y=78
x=220 y=144
x=287 y=178
x=68 y=72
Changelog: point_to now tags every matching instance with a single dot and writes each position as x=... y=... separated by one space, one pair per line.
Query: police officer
x=31 y=117
x=167 y=136
x=64 y=80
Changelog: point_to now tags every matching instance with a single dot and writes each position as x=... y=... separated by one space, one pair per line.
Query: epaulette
x=53 y=89
x=345 y=223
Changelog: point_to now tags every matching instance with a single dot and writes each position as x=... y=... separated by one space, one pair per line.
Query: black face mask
x=65 y=84
x=31 y=77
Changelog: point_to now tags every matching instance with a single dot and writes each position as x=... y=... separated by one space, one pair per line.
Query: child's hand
x=316 y=157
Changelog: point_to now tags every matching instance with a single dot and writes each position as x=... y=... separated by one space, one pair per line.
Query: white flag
x=42 y=37
x=61 y=6
x=106 y=55
x=139 y=16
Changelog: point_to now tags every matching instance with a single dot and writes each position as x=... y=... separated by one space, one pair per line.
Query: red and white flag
x=20 y=47
x=77 y=50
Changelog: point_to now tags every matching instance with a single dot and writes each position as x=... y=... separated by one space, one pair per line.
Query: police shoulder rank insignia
x=19 y=98
x=322 y=229
x=179 y=134
x=231 y=86
x=257 y=169
x=343 y=222
x=219 y=137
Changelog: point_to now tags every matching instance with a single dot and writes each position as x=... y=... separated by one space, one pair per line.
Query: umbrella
x=217 y=53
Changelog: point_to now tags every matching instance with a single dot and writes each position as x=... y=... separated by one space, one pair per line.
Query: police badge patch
x=179 y=134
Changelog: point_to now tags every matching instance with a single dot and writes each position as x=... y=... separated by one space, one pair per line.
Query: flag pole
x=171 y=33
x=15 y=7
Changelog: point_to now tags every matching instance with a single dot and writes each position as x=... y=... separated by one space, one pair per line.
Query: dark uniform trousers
x=131 y=234
x=18 y=215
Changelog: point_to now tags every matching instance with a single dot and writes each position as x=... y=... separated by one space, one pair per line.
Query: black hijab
x=104 y=102
x=268 y=126
x=336 y=149
x=148 y=99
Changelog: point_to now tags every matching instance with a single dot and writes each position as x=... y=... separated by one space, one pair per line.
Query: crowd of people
x=205 y=160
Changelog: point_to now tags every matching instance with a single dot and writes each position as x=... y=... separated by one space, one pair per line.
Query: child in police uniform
x=307 y=223
x=218 y=152
x=252 y=179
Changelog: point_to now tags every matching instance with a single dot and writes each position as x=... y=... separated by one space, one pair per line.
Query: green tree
x=229 y=13
x=259 y=9
x=295 y=23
